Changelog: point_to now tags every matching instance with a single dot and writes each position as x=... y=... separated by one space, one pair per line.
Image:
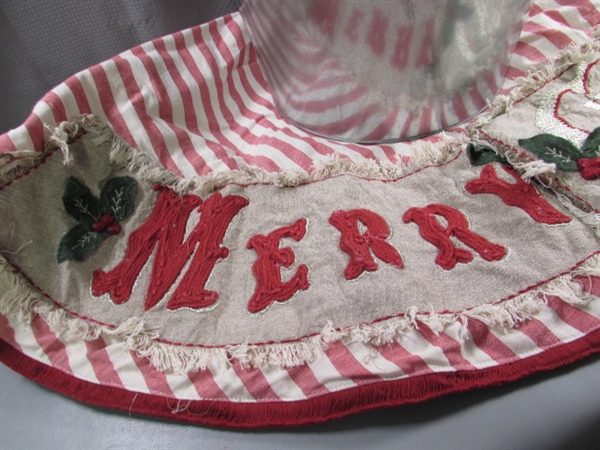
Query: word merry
x=363 y=237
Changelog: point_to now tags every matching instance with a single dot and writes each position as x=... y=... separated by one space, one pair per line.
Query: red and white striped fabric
x=196 y=101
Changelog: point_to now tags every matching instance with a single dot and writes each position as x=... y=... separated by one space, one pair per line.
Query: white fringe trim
x=124 y=156
x=21 y=302
x=591 y=218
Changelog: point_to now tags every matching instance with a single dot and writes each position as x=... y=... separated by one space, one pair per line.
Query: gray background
x=42 y=42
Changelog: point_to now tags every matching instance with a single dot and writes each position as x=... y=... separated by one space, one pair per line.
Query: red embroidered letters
x=458 y=226
x=267 y=268
x=357 y=245
x=185 y=248
x=520 y=194
x=165 y=229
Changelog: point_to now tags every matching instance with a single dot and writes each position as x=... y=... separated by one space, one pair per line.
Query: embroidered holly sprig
x=566 y=156
x=99 y=218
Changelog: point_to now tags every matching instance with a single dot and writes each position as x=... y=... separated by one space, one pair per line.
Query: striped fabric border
x=457 y=359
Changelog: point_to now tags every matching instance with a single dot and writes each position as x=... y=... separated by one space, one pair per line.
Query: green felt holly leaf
x=553 y=149
x=79 y=201
x=480 y=155
x=98 y=218
x=117 y=197
x=591 y=146
x=79 y=243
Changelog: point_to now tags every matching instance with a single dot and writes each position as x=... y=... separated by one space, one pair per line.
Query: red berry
x=98 y=227
x=589 y=167
x=115 y=228
x=107 y=219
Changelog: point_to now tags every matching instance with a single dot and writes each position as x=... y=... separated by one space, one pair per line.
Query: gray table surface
x=42 y=42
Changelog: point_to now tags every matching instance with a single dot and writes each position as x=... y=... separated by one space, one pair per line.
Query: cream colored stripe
x=80 y=365
x=468 y=349
x=232 y=386
x=125 y=366
x=283 y=385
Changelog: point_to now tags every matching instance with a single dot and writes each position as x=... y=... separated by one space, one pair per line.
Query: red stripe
x=539 y=333
x=426 y=120
x=155 y=379
x=51 y=346
x=449 y=346
x=35 y=128
x=255 y=382
x=305 y=379
x=406 y=127
x=347 y=365
x=205 y=385
x=408 y=362
x=489 y=343
x=587 y=9
x=572 y=316
x=7 y=333
x=459 y=107
x=512 y=73
x=551 y=14
x=591 y=284
x=101 y=363
x=347 y=124
x=476 y=96
x=558 y=38
x=74 y=84
x=56 y=106
x=383 y=129
x=7 y=144
x=529 y=52
x=490 y=79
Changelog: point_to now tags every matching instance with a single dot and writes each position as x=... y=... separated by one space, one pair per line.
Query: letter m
x=165 y=232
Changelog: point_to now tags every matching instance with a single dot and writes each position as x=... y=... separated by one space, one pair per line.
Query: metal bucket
x=382 y=70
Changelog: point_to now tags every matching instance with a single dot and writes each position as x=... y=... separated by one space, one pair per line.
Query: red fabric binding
x=325 y=407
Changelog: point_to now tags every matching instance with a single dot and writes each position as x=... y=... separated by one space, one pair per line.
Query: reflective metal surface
x=382 y=70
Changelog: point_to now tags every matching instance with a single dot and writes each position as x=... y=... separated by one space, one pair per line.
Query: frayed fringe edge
x=21 y=302
x=536 y=78
x=124 y=156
